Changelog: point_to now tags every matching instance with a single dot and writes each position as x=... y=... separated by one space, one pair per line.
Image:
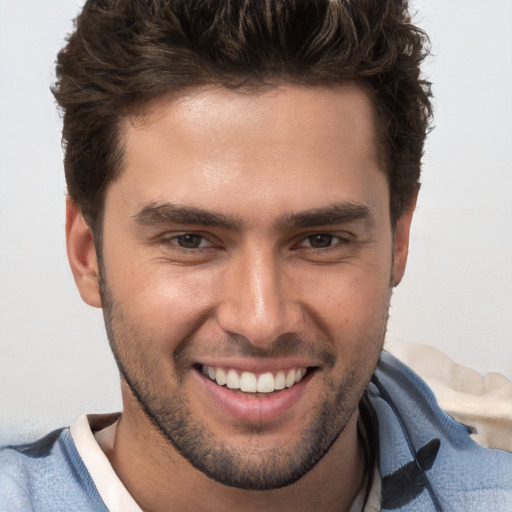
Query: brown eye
x=320 y=240
x=189 y=241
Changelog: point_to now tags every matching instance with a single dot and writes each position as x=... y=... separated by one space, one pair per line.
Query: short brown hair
x=124 y=53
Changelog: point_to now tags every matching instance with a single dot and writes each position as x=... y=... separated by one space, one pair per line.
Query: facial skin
x=248 y=232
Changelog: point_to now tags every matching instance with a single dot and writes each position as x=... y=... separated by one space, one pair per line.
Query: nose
x=257 y=301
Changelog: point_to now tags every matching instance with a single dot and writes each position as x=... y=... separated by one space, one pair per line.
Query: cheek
x=352 y=308
x=165 y=304
x=353 y=294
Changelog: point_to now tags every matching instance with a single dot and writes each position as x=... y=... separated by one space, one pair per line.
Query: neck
x=160 y=479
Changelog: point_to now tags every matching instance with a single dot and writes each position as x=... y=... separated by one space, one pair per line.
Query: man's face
x=247 y=267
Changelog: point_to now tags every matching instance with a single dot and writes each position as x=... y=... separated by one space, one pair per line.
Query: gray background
x=457 y=295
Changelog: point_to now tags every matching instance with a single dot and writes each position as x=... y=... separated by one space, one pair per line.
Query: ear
x=401 y=242
x=82 y=255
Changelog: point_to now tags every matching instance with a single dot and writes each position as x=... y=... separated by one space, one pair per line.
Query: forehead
x=270 y=112
x=287 y=146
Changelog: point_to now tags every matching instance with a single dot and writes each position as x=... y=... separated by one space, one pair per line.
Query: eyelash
x=172 y=240
x=337 y=242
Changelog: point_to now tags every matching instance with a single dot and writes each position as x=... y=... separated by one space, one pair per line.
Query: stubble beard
x=251 y=467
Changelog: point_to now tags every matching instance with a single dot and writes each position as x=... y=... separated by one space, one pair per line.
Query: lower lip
x=254 y=409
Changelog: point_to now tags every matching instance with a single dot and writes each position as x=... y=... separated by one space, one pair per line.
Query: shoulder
x=46 y=475
x=426 y=457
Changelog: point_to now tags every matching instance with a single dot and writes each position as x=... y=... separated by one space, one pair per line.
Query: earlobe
x=82 y=255
x=401 y=242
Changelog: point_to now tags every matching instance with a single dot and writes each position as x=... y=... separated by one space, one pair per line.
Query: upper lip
x=259 y=365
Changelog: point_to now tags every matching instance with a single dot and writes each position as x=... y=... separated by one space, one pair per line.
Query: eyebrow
x=155 y=213
x=339 y=213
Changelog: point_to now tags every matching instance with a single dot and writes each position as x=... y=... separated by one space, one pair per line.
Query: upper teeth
x=251 y=383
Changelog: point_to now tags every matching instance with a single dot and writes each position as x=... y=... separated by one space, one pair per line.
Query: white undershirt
x=110 y=488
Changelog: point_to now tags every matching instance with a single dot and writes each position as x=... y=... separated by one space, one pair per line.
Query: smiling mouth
x=257 y=384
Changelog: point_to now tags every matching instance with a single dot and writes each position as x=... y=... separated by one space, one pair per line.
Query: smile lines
x=251 y=383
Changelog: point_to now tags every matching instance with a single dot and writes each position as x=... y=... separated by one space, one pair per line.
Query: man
x=242 y=178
